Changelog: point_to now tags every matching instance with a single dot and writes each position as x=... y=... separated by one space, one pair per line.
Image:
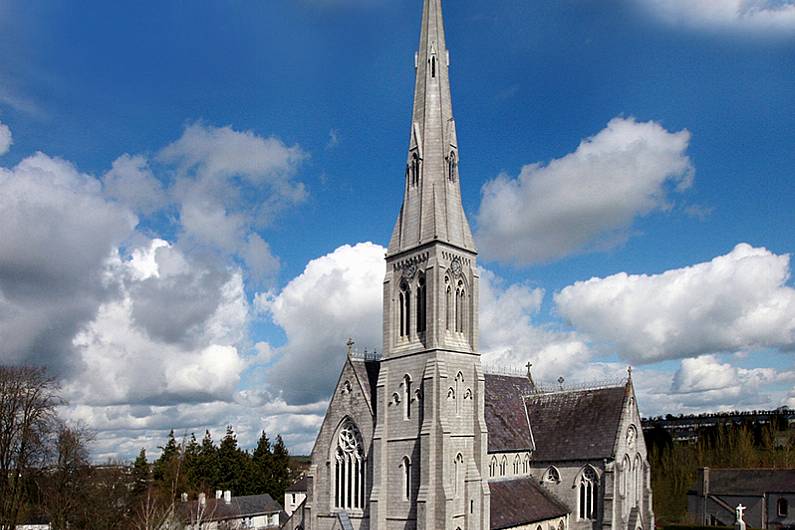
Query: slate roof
x=575 y=425
x=245 y=506
x=367 y=372
x=522 y=501
x=755 y=482
x=299 y=485
x=505 y=414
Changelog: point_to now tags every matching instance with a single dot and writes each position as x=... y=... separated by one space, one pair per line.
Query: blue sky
x=262 y=135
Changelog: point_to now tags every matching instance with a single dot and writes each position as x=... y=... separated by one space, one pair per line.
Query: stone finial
x=350 y=345
x=739 y=523
x=561 y=380
x=629 y=373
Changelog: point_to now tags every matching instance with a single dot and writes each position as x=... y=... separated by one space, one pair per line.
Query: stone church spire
x=432 y=209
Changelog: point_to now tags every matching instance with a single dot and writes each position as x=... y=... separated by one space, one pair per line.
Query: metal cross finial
x=560 y=382
x=529 y=365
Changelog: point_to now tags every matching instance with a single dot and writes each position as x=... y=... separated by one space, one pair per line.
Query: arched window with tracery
x=405 y=465
x=526 y=464
x=407 y=396
x=626 y=484
x=552 y=475
x=421 y=303
x=493 y=466
x=452 y=167
x=503 y=466
x=349 y=468
x=517 y=462
x=587 y=494
x=404 y=301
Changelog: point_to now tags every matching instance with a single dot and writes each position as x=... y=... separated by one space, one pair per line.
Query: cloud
x=333 y=139
x=586 y=200
x=131 y=182
x=757 y=16
x=5 y=139
x=737 y=301
x=172 y=336
x=54 y=258
x=510 y=339
x=337 y=296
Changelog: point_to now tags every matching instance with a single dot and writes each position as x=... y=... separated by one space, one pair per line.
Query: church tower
x=430 y=441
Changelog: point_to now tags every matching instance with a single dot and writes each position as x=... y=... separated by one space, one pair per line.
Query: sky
x=195 y=198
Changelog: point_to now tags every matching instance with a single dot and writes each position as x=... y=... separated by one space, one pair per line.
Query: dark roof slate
x=751 y=481
x=575 y=425
x=367 y=372
x=505 y=414
x=520 y=502
x=244 y=506
x=300 y=485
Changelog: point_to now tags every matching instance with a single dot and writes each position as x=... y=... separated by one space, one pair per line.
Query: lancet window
x=406 y=396
x=414 y=169
x=459 y=384
x=406 y=466
x=517 y=462
x=452 y=167
x=458 y=463
x=459 y=307
x=503 y=466
x=493 y=466
x=349 y=468
x=637 y=479
x=421 y=304
x=587 y=494
x=404 y=301
x=448 y=306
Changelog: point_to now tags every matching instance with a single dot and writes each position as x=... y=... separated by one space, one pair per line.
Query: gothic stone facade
x=423 y=439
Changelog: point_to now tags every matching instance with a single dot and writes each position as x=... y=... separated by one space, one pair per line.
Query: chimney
x=183 y=497
x=219 y=494
x=227 y=497
x=202 y=499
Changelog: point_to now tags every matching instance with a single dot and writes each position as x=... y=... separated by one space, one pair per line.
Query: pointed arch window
x=349 y=468
x=626 y=483
x=503 y=466
x=782 y=507
x=433 y=66
x=517 y=463
x=587 y=494
x=459 y=384
x=552 y=475
x=458 y=464
x=406 y=396
x=493 y=466
x=636 y=480
x=406 y=467
x=459 y=307
x=421 y=304
x=526 y=464
x=414 y=169
x=452 y=167
x=404 y=301
x=448 y=306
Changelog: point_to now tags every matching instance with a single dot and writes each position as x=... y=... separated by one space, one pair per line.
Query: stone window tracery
x=460 y=297
x=516 y=463
x=552 y=475
x=493 y=466
x=448 y=306
x=349 y=468
x=503 y=466
x=526 y=465
x=587 y=494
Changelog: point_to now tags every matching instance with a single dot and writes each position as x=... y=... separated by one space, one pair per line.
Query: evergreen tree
x=232 y=464
x=206 y=468
x=262 y=461
x=281 y=469
x=163 y=466
x=140 y=474
x=190 y=463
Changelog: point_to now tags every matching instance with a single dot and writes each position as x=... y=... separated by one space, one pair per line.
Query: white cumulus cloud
x=737 y=301
x=5 y=139
x=739 y=15
x=587 y=199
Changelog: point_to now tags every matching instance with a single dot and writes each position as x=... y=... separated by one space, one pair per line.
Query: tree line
x=46 y=473
x=674 y=465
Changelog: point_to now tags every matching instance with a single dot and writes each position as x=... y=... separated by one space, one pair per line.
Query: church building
x=420 y=437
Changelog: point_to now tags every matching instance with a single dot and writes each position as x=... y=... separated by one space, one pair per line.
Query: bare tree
x=28 y=398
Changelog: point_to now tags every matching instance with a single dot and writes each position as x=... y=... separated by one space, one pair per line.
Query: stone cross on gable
x=739 y=524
